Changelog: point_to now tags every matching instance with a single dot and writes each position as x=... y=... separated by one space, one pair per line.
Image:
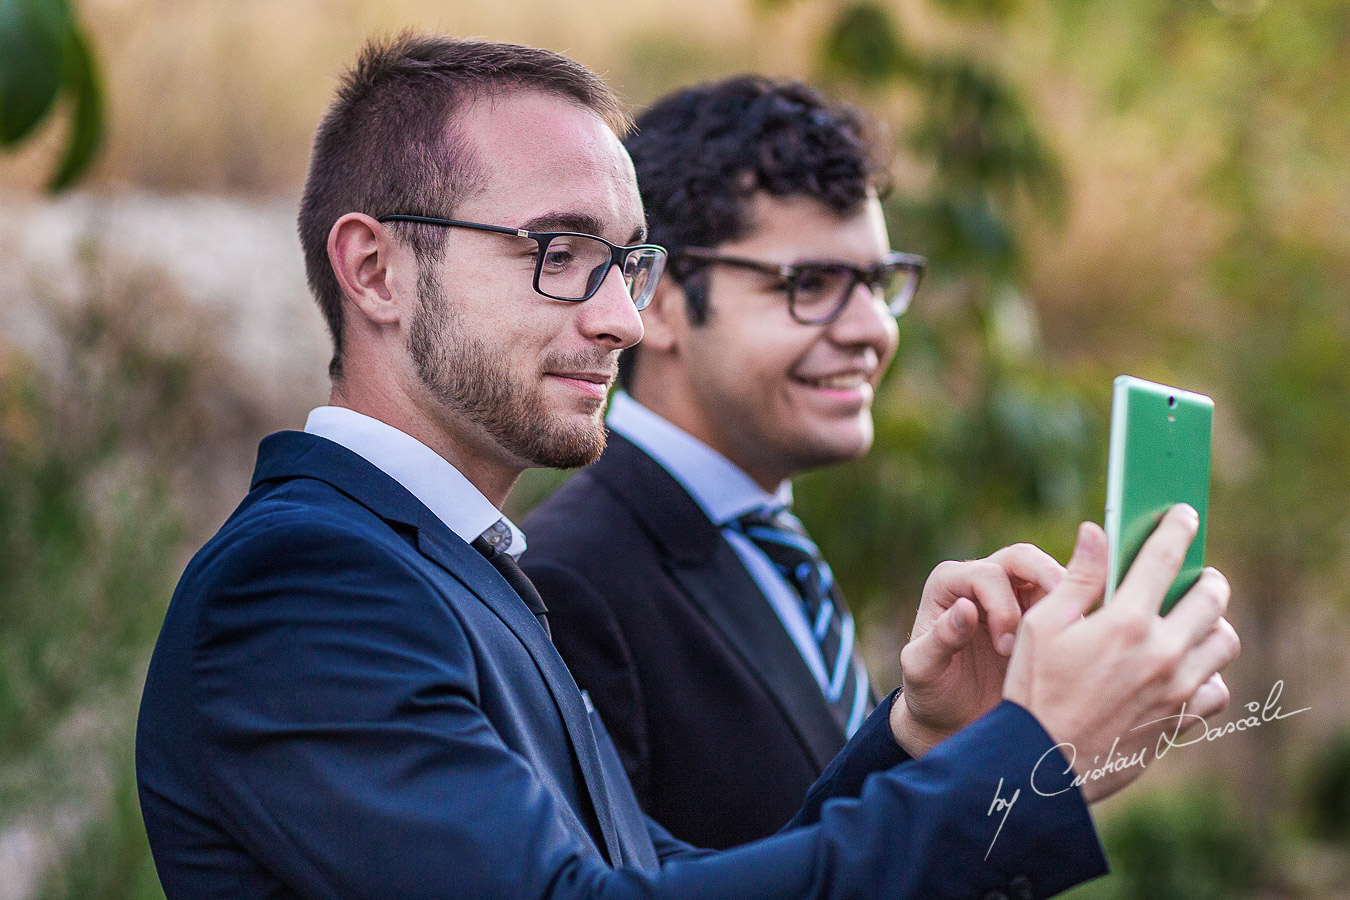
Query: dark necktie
x=781 y=537
x=506 y=564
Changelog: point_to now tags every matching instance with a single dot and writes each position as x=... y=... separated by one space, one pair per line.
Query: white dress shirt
x=441 y=487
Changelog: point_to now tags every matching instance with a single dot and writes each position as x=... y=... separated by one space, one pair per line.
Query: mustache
x=599 y=361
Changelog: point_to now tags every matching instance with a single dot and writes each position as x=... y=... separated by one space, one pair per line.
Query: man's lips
x=837 y=381
x=596 y=384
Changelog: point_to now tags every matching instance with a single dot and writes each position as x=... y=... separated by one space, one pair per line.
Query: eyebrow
x=579 y=222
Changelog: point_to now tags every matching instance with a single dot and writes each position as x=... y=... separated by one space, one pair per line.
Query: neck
x=678 y=408
x=475 y=456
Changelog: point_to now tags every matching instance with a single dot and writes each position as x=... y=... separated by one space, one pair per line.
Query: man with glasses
x=355 y=694
x=763 y=348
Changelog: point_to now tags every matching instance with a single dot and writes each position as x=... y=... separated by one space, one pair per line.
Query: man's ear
x=367 y=261
x=665 y=321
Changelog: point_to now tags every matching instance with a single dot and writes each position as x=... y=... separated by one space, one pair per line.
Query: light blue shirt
x=725 y=492
x=426 y=474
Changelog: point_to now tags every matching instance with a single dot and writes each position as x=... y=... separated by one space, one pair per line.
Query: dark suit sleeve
x=336 y=696
x=871 y=749
x=589 y=638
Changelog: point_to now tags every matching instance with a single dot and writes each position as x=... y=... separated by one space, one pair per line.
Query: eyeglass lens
x=820 y=291
x=574 y=266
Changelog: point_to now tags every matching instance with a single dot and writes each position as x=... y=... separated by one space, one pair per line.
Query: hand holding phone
x=1159 y=457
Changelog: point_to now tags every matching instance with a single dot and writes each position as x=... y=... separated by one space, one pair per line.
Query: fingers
x=1218 y=648
x=987 y=583
x=926 y=657
x=1032 y=566
x=1210 y=699
x=1084 y=581
x=1204 y=604
x=1157 y=565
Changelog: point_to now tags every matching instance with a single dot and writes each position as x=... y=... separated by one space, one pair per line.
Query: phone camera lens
x=1172 y=402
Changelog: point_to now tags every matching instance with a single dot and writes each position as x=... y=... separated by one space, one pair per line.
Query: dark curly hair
x=702 y=153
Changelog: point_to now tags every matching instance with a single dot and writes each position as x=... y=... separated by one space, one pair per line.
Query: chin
x=565 y=445
x=816 y=451
x=847 y=440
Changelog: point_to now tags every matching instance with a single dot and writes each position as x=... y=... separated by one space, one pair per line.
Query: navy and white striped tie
x=783 y=539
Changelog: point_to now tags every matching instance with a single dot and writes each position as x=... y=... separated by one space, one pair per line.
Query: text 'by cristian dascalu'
x=1258 y=715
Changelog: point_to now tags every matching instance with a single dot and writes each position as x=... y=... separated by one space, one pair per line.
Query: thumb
x=926 y=657
x=1084 y=580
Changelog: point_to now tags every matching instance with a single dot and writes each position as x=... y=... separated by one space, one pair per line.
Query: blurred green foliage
x=980 y=439
x=1186 y=844
x=1326 y=791
x=46 y=54
x=79 y=577
x=112 y=860
x=95 y=436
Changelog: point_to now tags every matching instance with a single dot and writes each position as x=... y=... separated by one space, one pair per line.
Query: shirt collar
x=441 y=487
x=720 y=487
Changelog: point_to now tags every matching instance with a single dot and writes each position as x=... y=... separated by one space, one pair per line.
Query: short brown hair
x=387 y=145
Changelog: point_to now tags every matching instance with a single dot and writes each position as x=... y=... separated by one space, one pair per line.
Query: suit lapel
x=705 y=565
x=467 y=565
x=294 y=454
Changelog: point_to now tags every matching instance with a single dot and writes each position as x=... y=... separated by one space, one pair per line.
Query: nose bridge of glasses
x=871 y=283
x=636 y=266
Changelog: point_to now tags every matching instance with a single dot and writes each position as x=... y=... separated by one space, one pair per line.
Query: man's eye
x=812 y=281
x=558 y=258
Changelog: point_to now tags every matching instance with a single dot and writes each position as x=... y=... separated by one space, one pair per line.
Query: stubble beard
x=473 y=379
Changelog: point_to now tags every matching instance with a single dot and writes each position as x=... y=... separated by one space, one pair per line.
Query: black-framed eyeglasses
x=570 y=265
x=817 y=292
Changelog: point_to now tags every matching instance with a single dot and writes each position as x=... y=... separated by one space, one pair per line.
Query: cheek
x=761 y=365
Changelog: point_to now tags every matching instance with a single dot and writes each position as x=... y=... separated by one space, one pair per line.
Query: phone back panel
x=1159 y=456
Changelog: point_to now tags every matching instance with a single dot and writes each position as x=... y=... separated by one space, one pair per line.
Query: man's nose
x=610 y=317
x=865 y=319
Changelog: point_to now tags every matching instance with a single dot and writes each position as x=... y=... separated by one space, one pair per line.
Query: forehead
x=545 y=155
x=799 y=228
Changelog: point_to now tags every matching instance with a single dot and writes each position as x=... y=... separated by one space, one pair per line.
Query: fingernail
x=1005 y=644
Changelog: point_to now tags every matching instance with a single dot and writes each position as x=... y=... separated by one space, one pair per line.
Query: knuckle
x=1171 y=555
x=1222 y=589
x=1179 y=693
x=946 y=569
x=987 y=571
x=1165 y=665
x=1224 y=696
x=1135 y=627
x=907 y=660
x=1213 y=600
x=1233 y=640
x=1035 y=618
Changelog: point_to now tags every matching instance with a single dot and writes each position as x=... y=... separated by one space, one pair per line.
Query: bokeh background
x=1158 y=187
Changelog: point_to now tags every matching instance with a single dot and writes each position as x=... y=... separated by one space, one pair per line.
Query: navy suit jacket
x=346 y=700
x=719 y=722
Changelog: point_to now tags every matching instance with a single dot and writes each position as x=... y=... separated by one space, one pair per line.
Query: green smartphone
x=1159 y=456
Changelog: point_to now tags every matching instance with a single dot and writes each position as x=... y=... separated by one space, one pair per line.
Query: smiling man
x=763 y=348
x=354 y=693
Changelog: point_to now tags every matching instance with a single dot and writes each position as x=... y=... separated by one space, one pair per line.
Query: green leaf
x=30 y=67
x=86 y=126
x=863 y=46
